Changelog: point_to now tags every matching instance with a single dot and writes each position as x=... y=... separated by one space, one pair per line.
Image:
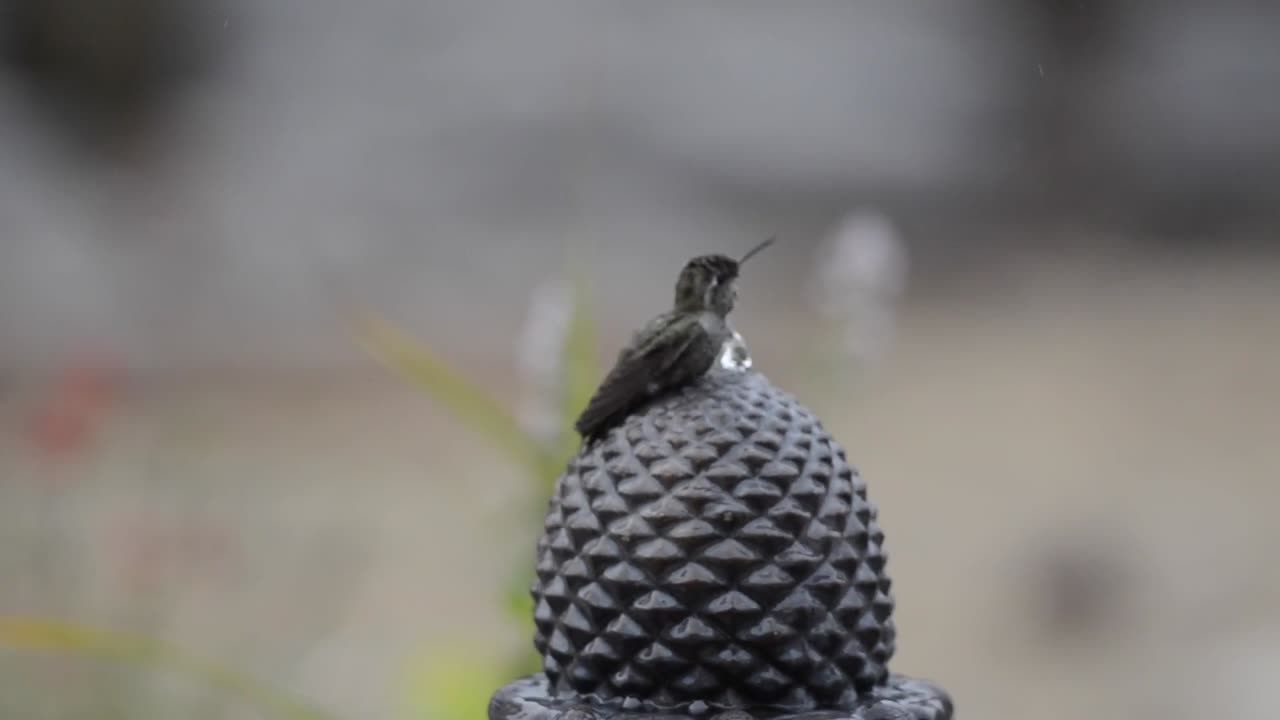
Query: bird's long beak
x=757 y=249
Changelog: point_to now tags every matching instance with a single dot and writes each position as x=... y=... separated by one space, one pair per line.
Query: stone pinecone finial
x=716 y=550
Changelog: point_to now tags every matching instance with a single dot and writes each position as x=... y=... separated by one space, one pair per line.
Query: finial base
x=901 y=698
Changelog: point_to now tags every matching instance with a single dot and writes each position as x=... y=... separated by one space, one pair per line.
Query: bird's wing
x=646 y=336
x=628 y=383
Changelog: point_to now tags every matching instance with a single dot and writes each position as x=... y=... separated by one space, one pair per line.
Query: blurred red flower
x=66 y=421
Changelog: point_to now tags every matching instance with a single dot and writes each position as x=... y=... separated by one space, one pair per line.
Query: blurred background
x=1026 y=273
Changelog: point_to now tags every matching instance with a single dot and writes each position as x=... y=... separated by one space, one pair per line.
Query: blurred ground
x=1071 y=431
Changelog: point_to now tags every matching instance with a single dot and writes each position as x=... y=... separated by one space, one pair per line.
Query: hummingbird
x=674 y=348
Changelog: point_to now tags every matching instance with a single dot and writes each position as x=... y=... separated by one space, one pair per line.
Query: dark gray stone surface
x=900 y=698
x=715 y=553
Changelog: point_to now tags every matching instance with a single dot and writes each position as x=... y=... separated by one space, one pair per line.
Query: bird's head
x=707 y=282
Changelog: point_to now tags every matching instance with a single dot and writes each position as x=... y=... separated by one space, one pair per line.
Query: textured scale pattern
x=715 y=548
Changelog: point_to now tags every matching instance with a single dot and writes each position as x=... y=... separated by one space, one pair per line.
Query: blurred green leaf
x=453 y=686
x=520 y=601
x=520 y=608
x=48 y=635
x=457 y=686
x=468 y=401
x=529 y=663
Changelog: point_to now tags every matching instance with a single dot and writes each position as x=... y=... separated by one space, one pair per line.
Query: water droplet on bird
x=734 y=354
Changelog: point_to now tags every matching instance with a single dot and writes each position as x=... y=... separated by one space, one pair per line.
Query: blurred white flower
x=861 y=276
x=540 y=358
